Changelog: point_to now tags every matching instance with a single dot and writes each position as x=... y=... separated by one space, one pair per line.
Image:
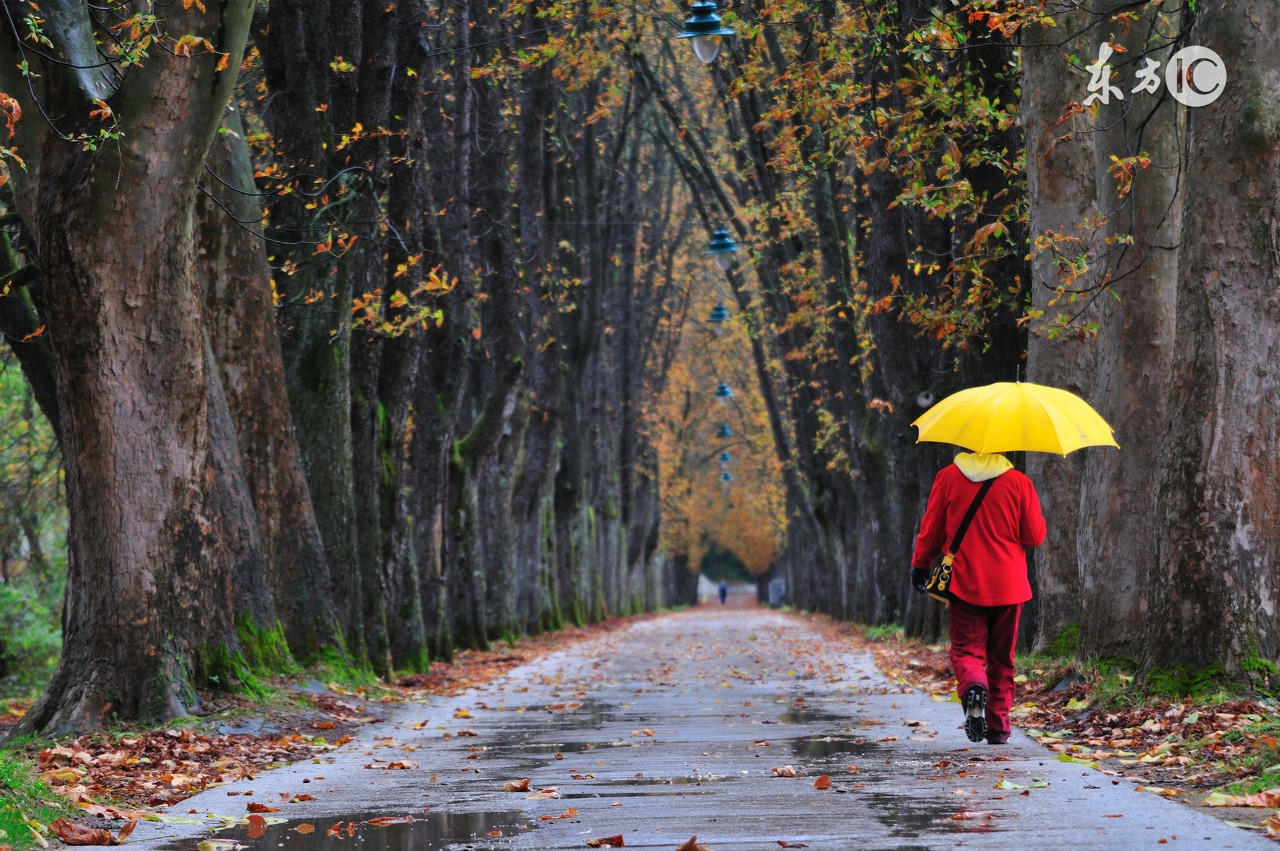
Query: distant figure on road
x=988 y=581
x=724 y=592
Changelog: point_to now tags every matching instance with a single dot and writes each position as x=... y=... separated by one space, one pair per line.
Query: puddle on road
x=434 y=831
x=504 y=749
x=696 y=780
x=802 y=712
x=585 y=715
x=825 y=747
x=910 y=816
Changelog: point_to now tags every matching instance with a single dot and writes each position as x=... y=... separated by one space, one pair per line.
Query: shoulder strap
x=968 y=516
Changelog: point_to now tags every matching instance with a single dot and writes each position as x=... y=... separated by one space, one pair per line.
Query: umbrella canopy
x=1012 y=417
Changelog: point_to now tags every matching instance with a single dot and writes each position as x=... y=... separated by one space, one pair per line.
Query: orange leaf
x=74 y=834
x=305 y=828
x=255 y=807
x=823 y=782
x=607 y=842
x=521 y=785
x=383 y=821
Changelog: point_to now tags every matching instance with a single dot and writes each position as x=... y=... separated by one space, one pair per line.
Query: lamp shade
x=706 y=29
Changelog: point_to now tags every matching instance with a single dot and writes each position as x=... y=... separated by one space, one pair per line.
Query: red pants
x=983 y=639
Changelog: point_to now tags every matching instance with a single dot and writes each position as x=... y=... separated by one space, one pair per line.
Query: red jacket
x=991 y=567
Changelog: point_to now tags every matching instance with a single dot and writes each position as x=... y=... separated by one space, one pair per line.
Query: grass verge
x=27 y=804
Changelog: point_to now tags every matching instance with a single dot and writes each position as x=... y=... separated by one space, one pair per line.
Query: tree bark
x=1062 y=192
x=242 y=332
x=1214 y=596
x=312 y=105
x=153 y=541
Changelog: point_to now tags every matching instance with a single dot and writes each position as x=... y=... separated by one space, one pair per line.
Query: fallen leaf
x=784 y=770
x=305 y=828
x=607 y=842
x=823 y=782
x=543 y=795
x=383 y=821
x=521 y=785
x=74 y=834
x=692 y=845
x=1268 y=799
x=255 y=807
x=785 y=844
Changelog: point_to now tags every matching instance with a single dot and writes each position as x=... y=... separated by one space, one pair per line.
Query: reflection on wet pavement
x=364 y=832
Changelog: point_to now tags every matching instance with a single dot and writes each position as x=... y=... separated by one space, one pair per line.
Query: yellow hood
x=980 y=466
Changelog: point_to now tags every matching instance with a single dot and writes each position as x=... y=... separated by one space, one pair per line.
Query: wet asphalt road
x=671 y=728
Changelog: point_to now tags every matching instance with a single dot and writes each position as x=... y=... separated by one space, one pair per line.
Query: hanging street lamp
x=706 y=30
x=725 y=431
x=725 y=460
x=723 y=394
x=719 y=315
x=726 y=478
x=722 y=249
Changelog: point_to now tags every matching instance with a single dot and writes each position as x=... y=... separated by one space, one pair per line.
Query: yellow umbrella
x=1012 y=417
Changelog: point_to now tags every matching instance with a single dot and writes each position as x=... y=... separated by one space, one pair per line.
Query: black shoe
x=994 y=739
x=975 y=713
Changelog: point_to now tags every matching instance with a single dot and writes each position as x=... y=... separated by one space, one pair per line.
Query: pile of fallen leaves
x=161 y=768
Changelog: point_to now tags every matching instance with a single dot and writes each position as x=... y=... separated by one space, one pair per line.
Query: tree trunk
x=1062 y=192
x=1116 y=543
x=311 y=106
x=154 y=501
x=242 y=332
x=1214 y=597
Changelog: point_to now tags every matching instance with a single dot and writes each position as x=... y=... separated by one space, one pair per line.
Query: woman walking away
x=988 y=578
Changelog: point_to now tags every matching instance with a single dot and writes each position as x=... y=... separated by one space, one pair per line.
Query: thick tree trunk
x=155 y=503
x=242 y=332
x=298 y=40
x=1214 y=596
x=1062 y=192
x=1116 y=543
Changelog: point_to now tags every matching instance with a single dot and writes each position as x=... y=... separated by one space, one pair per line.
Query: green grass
x=884 y=632
x=24 y=796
